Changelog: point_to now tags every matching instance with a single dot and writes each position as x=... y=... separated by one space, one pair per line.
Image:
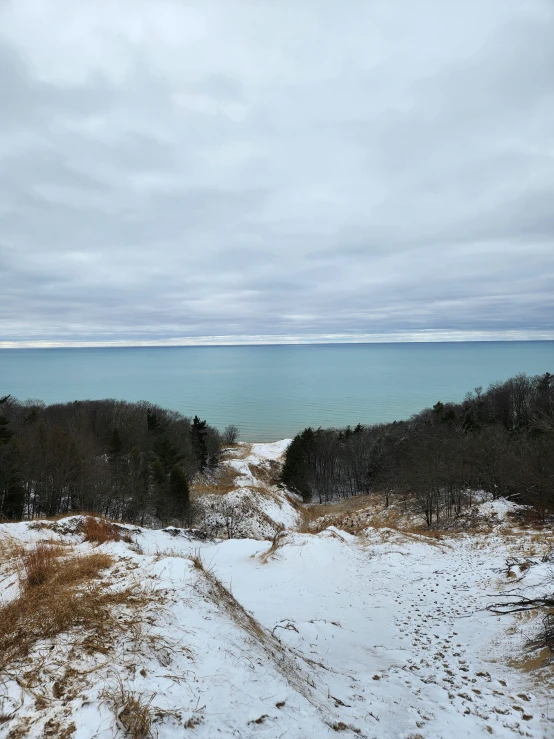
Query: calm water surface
x=271 y=392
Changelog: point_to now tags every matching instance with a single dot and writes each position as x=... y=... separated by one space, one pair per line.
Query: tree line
x=128 y=461
x=500 y=441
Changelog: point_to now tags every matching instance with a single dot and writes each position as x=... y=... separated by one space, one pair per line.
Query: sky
x=241 y=171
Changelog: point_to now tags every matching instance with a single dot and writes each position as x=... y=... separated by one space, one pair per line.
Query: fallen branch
x=523 y=604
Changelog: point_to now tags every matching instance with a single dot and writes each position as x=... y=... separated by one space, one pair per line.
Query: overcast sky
x=263 y=170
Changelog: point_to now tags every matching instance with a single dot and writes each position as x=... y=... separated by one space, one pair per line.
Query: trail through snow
x=397 y=627
x=381 y=635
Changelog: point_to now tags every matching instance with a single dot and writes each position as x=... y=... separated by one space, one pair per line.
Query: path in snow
x=383 y=636
x=398 y=627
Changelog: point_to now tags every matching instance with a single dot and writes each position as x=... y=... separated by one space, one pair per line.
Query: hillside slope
x=384 y=634
x=243 y=498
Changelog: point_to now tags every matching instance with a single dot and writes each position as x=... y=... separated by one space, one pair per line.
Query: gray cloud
x=311 y=171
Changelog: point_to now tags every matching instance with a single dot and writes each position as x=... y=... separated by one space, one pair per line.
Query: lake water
x=271 y=392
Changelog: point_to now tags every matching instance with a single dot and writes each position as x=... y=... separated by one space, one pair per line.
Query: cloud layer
x=196 y=172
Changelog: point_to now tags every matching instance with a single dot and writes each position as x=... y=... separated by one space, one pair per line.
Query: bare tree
x=230 y=435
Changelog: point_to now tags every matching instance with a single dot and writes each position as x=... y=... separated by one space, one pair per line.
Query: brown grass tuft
x=10 y=549
x=197 y=561
x=268 y=473
x=131 y=709
x=39 y=564
x=61 y=594
x=100 y=530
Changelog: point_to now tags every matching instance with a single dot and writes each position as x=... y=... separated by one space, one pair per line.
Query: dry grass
x=10 y=549
x=225 y=479
x=409 y=529
x=223 y=483
x=277 y=542
x=268 y=473
x=100 y=530
x=132 y=710
x=240 y=450
x=351 y=514
x=39 y=564
x=197 y=561
x=540 y=544
x=360 y=512
x=56 y=595
x=528 y=517
x=67 y=610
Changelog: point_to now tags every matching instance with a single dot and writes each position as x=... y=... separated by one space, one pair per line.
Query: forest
x=500 y=441
x=129 y=461
x=135 y=462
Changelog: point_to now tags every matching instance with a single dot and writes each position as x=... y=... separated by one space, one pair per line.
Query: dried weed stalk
x=132 y=710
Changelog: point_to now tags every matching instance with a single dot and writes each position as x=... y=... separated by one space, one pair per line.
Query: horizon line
x=426 y=336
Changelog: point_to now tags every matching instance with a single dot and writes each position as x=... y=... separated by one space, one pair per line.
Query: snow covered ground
x=384 y=634
x=256 y=508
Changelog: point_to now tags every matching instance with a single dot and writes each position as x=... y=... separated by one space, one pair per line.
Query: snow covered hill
x=252 y=504
x=383 y=634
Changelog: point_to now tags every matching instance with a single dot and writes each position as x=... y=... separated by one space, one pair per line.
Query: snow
x=273 y=450
x=259 y=455
x=498 y=508
x=385 y=634
x=257 y=508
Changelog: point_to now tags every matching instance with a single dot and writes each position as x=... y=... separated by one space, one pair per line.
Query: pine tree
x=167 y=453
x=198 y=433
x=160 y=492
x=5 y=433
x=179 y=493
x=158 y=473
x=153 y=421
x=295 y=467
x=116 y=445
x=14 y=496
x=12 y=492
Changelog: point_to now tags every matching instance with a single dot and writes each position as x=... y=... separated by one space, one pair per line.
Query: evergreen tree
x=153 y=421
x=296 y=471
x=158 y=473
x=14 y=496
x=116 y=445
x=159 y=484
x=138 y=483
x=179 y=493
x=198 y=433
x=167 y=453
x=5 y=433
x=12 y=492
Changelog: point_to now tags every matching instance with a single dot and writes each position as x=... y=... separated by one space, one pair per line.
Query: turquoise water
x=271 y=392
